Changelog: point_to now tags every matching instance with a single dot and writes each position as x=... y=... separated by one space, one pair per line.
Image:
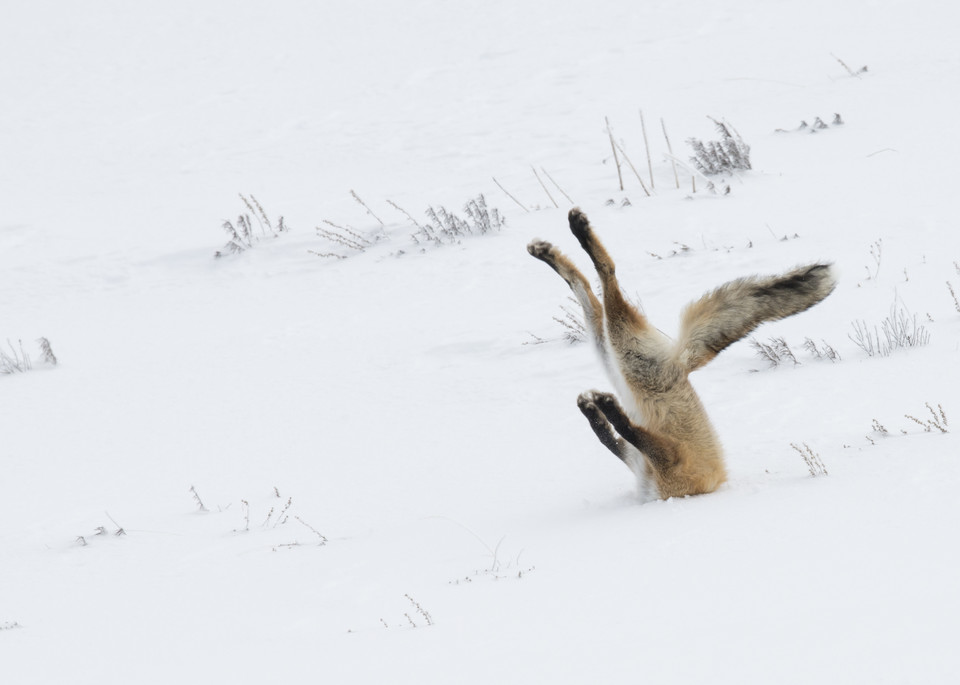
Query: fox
x=658 y=427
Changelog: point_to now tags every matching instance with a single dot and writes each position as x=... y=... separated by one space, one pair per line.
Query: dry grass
x=811 y=459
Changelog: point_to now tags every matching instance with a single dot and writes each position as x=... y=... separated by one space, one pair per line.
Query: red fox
x=661 y=432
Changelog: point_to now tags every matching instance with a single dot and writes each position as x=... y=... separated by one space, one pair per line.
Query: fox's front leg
x=662 y=451
x=601 y=427
x=559 y=262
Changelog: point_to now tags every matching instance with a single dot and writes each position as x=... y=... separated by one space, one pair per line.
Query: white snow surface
x=387 y=403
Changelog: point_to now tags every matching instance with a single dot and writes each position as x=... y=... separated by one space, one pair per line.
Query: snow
x=364 y=429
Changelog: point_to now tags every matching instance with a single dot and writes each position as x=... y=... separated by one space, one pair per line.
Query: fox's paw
x=579 y=224
x=589 y=408
x=542 y=250
x=585 y=401
x=594 y=400
x=607 y=403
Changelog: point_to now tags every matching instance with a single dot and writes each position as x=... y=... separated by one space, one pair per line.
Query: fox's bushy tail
x=732 y=311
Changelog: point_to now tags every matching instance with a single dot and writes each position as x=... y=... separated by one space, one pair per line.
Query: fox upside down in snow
x=662 y=432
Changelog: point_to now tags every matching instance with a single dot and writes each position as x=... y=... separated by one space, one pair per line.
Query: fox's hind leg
x=618 y=309
x=592 y=309
x=642 y=351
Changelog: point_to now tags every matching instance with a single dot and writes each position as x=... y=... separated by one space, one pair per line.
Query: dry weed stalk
x=364 y=205
x=405 y=213
x=343 y=235
x=613 y=146
x=246 y=515
x=196 y=498
x=420 y=610
x=673 y=161
x=827 y=353
x=646 y=144
x=544 y=186
x=725 y=155
x=634 y=169
x=574 y=329
x=18 y=361
x=938 y=420
x=899 y=329
x=242 y=237
x=510 y=195
x=855 y=74
x=557 y=185
x=321 y=536
x=811 y=459
x=956 y=303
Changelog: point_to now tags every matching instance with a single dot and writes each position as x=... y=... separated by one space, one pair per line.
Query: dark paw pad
x=589 y=409
x=606 y=403
x=579 y=224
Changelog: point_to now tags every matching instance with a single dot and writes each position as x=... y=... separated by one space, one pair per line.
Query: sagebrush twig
x=937 y=420
x=811 y=459
x=634 y=169
x=673 y=162
x=196 y=498
x=543 y=185
x=956 y=303
x=510 y=195
x=646 y=144
x=364 y=205
x=613 y=146
x=557 y=185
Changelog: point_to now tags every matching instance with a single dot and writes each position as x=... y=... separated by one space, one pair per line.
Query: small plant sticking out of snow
x=876 y=254
x=811 y=459
x=102 y=531
x=446 y=228
x=956 y=303
x=197 y=500
x=343 y=236
x=818 y=125
x=855 y=74
x=574 y=330
x=899 y=329
x=728 y=154
x=937 y=421
x=827 y=352
x=18 y=361
x=322 y=539
x=880 y=428
x=244 y=235
x=422 y=615
x=277 y=519
x=421 y=612
x=442 y=228
x=777 y=351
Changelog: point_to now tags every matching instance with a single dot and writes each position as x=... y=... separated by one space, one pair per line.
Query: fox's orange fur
x=661 y=430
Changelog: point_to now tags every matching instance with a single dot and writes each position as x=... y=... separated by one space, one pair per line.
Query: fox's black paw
x=579 y=224
x=585 y=402
x=606 y=403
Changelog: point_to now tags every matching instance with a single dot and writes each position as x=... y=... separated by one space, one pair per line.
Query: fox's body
x=661 y=430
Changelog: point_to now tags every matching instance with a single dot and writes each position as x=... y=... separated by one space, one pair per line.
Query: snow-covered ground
x=414 y=409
